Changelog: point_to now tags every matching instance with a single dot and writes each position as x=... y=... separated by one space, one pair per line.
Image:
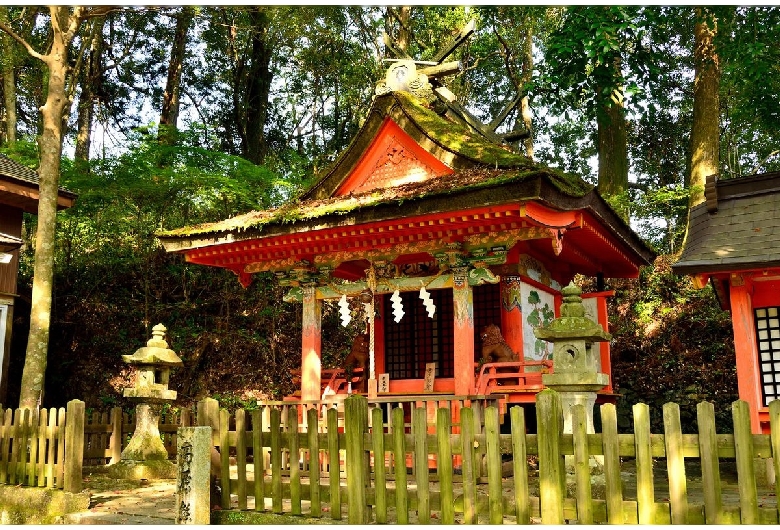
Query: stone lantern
x=576 y=366
x=145 y=455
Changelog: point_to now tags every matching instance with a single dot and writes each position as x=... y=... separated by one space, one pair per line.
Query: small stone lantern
x=576 y=366
x=145 y=455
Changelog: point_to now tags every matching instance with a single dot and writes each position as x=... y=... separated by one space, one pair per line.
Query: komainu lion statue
x=494 y=347
x=358 y=358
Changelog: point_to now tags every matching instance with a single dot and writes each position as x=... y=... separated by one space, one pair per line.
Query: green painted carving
x=294 y=295
x=481 y=276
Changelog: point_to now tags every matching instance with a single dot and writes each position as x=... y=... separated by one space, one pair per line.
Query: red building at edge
x=734 y=244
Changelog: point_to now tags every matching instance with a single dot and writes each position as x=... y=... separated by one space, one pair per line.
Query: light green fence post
x=355 y=427
x=74 y=446
x=551 y=479
x=743 y=444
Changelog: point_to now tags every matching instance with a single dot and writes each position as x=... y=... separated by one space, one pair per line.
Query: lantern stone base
x=145 y=455
x=142 y=469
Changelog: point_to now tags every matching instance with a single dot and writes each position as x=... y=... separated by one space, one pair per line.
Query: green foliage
x=671 y=343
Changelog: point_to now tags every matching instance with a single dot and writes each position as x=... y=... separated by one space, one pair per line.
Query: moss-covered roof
x=457 y=183
x=453 y=141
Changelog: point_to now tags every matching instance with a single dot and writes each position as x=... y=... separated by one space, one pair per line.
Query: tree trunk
x=9 y=80
x=64 y=26
x=90 y=84
x=705 y=135
x=525 y=79
x=613 y=144
x=170 y=105
x=258 y=87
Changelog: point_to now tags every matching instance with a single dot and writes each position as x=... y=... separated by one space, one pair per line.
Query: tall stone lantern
x=576 y=375
x=145 y=455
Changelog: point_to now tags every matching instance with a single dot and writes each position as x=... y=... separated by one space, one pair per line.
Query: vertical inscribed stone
x=193 y=457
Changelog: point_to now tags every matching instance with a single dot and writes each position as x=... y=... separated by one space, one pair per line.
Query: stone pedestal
x=193 y=450
x=575 y=365
x=145 y=455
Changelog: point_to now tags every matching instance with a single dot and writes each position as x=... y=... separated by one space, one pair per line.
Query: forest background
x=181 y=114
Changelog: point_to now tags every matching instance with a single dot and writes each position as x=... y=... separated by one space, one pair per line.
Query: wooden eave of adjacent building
x=9 y=243
x=19 y=187
x=736 y=230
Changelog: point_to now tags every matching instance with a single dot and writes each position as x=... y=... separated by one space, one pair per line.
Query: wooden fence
x=42 y=448
x=371 y=467
x=107 y=434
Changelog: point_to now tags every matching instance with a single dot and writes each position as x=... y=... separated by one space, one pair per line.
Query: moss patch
x=500 y=167
x=27 y=505
x=468 y=180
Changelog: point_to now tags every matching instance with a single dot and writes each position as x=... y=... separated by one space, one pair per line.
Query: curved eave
x=594 y=239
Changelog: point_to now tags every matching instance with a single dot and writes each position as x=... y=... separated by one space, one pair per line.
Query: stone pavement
x=127 y=502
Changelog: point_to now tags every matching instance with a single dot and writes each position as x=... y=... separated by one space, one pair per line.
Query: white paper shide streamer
x=398 y=306
x=346 y=317
x=425 y=296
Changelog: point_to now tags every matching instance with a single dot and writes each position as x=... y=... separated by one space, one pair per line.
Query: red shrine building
x=441 y=229
x=19 y=193
x=734 y=244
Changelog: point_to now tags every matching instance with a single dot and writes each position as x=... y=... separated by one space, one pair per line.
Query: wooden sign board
x=430 y=375
x=384 y=383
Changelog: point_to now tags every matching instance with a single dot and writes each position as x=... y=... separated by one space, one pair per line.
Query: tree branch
x=20 y=40
x=770 y=155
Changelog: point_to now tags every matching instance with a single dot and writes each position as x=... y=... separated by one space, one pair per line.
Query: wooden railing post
x=74 y=446
x=743 y=444
x=115 y=445
x=675 y=464
x=774 y=438
x=710 y=470
x=355 y=427
x=551 y=479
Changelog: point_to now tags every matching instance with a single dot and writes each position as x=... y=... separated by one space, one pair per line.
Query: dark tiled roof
x=13 y=169
x=737 y=229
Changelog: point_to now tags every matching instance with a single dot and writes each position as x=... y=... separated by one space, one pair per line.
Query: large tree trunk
x=258 y=87
x=613 y=144
x=90 y=84
x=170 y=105
x=9 y=80
x=705 y=135
x=64 y=27
x=525 y=79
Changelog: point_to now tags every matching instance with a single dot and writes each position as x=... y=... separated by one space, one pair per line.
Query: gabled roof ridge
x=462 y=141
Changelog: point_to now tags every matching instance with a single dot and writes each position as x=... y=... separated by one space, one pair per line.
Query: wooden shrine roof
x=19 y=187
x=736 y=229
x=485 y=195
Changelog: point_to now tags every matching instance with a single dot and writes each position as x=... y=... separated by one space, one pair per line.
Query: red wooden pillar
x=602 y=317
x=746 y=347
x=511 y=314
x=463 y=309
x=311 y=355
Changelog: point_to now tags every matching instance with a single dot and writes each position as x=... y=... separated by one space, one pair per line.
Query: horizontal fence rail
x=42 y=448
x=466 y=462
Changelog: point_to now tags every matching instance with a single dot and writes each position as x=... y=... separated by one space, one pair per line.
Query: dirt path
x=127 y=502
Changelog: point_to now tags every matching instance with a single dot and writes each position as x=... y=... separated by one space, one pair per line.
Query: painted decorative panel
x=538 y=310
